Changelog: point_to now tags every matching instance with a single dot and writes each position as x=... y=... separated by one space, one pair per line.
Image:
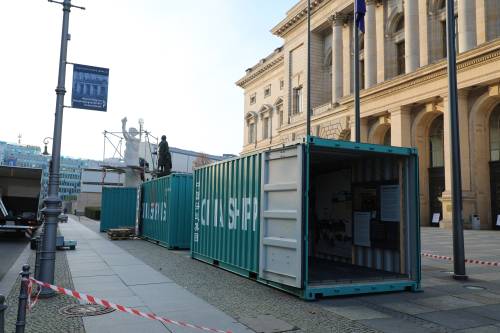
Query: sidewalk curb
x=9 y=279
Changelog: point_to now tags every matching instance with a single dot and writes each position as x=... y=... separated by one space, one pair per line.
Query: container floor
x=325 y=271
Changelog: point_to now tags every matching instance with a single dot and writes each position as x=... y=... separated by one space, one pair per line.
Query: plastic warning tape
x=469 y=261
x=107 y=304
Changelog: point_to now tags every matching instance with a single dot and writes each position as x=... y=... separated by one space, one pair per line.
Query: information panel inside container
x=226 y=214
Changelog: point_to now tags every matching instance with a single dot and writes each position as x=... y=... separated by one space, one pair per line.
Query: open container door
x=280 y=252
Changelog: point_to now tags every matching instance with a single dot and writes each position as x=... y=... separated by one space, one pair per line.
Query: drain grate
x=84 y=310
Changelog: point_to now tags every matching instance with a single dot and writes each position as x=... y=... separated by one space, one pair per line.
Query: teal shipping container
x=119 y=208
x=316 y=219
x=167 y=211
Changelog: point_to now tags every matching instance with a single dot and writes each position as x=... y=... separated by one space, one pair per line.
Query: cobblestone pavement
x=45 y=317
x=236 y=296
x=445 y=305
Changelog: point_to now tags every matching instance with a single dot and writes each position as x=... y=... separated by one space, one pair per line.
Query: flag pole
x=308 y=116
x=458 y=230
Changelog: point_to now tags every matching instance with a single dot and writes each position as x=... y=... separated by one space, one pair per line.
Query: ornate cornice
x=295 y=17
x=476 y=57
x=261 y=68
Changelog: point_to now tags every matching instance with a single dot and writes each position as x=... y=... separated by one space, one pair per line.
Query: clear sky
x=172 y=63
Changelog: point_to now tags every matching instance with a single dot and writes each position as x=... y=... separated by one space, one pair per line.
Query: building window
x=282 y=84
x=400 y=57
x=297 y=100
x=251 y=133
x=437 y=143
x=279 y=110
x=267 y=91
x=265 y=128
x=253 y=99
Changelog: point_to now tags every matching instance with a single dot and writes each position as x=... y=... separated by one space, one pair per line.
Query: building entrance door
x=436 y=188
x=495 y=194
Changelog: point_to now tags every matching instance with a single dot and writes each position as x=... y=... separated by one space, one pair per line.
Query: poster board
x=390 y=205
x=362 y=228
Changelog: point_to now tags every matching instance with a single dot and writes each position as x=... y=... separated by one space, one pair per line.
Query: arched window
x=400 y=24
x=495 y=134
x=436 y=143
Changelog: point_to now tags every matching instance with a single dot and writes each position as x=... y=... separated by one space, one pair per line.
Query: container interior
x=357 y=227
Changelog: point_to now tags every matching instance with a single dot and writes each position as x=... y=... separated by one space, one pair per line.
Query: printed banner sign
x=90 y=88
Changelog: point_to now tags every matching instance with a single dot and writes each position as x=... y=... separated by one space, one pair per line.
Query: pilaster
x=347 y=39
x=481 y=34
x=380 y=36
x=337 y=57
x=401 y=127
x=423 y=22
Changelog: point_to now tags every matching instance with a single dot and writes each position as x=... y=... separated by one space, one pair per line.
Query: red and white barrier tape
x=107 y=304
x=469 y=261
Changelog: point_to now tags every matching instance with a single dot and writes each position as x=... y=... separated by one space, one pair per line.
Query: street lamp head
x=45 y=152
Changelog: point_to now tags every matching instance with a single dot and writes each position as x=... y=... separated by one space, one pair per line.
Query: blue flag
x=359 y=12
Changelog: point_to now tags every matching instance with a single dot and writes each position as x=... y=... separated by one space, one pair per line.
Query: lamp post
x=458 y=230
x=45 y=143
x=53 y=202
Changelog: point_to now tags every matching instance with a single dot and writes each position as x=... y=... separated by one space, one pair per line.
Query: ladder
x=3 y=209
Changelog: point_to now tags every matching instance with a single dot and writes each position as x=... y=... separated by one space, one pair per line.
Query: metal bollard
x=3 y=307
x=23 y=300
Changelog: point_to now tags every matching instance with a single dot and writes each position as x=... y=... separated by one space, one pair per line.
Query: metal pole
x=458 y=231
x=53 y=203
x=23 y=300
x=357 y=105
x=308 y=122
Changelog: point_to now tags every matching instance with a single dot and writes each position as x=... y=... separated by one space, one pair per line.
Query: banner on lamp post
x=90 y=88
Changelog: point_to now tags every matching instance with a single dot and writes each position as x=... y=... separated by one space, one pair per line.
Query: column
x=423 y=23
x=370 y=45
x=447 y=194
x=347 y=40
x=466 y=25
x=481 y=21
x=380 y=23
x=337 y=58
x=412 y=49
x=401 y=127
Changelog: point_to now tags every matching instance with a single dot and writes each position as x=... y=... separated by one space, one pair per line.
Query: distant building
x=31 y=157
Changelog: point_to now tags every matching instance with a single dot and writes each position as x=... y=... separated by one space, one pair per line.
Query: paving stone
x=482 y=297
x=390 y=325
x=356 y=312
x=407 y=307
x=489 y=311
x=446 y=303
x=482 y=329
x=456 y=319
x=266 y=324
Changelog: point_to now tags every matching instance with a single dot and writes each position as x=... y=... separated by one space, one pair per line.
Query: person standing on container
x=164 y=157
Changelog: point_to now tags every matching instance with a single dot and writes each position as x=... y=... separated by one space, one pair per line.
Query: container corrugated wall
x=226 y=214
x=167 y=210
x=118 y=207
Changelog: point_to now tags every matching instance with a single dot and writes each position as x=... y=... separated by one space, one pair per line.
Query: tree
x=201 y=160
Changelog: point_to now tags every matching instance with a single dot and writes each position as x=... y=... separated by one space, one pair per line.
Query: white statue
x=132 y=143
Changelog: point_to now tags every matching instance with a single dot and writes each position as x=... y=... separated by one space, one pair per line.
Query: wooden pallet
x=121 y=234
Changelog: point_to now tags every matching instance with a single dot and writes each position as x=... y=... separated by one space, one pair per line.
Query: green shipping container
x=321 y=218
x=119 y=207
x=226 y=214
x=167 y=211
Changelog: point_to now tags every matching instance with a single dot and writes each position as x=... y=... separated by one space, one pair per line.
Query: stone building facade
x=404 y=91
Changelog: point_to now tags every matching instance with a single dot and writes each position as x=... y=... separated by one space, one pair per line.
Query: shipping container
x=167 y=210
x=317 y=219
x=119 y=208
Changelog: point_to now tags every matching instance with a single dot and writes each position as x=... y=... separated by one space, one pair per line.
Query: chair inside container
x=355 y=232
